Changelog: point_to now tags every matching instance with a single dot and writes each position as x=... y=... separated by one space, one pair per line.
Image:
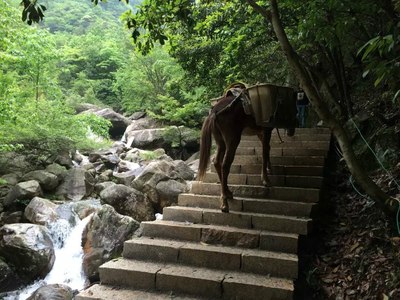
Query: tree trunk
x=385 y=202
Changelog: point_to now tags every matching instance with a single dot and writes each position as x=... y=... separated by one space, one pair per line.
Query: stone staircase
x=198 y=252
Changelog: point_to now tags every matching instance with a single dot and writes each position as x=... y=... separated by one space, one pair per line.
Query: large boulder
x=81 y=107
x=162 y=181
x=40 y=211
x=78 y=183
x=12 y=162
x=146 y=138
x=63 y=158
x=118 y=122
x=103 y=238
x=47 y=180
x=28 y=248
x=141 y=123
x=168 y=192
x=23 y=191
x=178 y=142
x=128 y=201
x=53 y=292
x=58 y=170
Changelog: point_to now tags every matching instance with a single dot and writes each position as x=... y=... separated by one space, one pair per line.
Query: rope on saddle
x=279 y=135
x=239 y=94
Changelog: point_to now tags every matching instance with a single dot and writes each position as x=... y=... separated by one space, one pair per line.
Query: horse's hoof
x=267 y=183
x=225 y=209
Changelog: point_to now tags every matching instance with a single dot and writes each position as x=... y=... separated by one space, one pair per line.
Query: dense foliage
x=80 y=53
x=33 y=113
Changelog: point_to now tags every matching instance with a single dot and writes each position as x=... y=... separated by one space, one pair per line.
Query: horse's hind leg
x=266 y=162
x=218 y=164
x=226 y=194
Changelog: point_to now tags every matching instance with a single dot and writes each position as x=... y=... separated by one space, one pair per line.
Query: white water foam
x=67 y=267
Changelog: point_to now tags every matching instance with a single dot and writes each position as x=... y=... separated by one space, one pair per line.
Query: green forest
x=169 y=58
x=81 y=53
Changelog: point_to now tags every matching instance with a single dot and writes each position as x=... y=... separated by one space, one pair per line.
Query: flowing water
x=67 y=267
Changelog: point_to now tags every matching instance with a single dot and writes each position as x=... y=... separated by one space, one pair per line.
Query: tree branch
x=261 y=10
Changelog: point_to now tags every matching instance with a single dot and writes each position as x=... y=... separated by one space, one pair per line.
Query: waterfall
x=67 y=268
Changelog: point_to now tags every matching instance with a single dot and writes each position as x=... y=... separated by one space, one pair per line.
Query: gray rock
x=10 y=217
x=78 y=183
x=105 y=176
x=162 y=171
x=64 y=159
x=124 y=178
x=84 y=208
x=21 y=191
x=58 y=170
x=47 y=180
x=103 y=238
x=28 y=248
x=118 y=121
x=12 y=178
x=146 y=138
x=106 y=157
x=103 y=185
x=128 y=201
x=168 y=192
x=183 y=170
x=40 y=211
x=8 y=279
x=53 y=292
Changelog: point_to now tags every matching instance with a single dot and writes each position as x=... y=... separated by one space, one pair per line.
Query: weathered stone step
x=279 y=151
x=279 y=223
x=299 y=132
x=288 y=139
x=276 y=170
x=194 y=280
x=107 y=292
x=256 y=261
x=281 y=160
x=294 y=144
x=267 y=206
x=302 y=136
x=276 y=180
x=308 y=195
x=222 y=235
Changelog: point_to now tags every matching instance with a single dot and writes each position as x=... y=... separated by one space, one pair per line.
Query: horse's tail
x=205 y=145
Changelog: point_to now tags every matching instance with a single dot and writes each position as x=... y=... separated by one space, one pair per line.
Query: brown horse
x=226 y=122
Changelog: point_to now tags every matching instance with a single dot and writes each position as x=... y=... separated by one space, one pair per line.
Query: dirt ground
x=354 y=252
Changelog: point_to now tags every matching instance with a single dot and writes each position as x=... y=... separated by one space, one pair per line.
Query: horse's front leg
x=266 y=162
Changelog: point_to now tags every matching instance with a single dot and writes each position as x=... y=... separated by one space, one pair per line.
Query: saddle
x=265 y=102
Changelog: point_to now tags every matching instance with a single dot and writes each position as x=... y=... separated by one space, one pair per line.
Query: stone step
x=308 y=195
x=296 y=137
x=324 y=145
x=299 y=132
x=276 y=180
x=264 y=206
x=108 y=292
x=278 y=223
x=221 y=235
x=256 y=261
x=281 y=160
x=279 y=151
x=276 y=170
x=194 y=280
